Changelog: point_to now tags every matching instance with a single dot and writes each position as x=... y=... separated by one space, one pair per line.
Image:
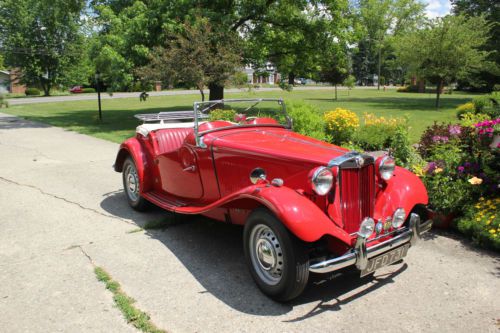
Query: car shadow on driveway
x=213 y=253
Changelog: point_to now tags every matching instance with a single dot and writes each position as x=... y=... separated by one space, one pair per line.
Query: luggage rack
x=168 y=117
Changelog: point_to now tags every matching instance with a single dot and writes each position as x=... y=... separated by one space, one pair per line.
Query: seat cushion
x=171 y=139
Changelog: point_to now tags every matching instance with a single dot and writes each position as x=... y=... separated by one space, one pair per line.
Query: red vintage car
x=306 y=205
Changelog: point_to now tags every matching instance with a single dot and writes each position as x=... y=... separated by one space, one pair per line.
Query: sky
x=437 y=8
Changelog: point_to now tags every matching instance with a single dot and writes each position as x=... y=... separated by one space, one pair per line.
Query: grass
x=125 y=304
x=119 y=123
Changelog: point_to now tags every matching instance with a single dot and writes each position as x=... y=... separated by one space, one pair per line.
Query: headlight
x=367 y=227
x=321 y=180
x=386 y=168
x=399 y=218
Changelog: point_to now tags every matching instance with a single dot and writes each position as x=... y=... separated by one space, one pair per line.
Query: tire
x=277 y=260
x=131 y=186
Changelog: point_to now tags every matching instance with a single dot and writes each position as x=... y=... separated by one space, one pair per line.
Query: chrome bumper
x=360 y=254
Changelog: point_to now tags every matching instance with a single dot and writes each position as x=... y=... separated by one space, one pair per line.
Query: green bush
x=32 y=92
x=88 y=90
x=481 y=103
x=401 y=146
x=221 y=114
x=307 y=120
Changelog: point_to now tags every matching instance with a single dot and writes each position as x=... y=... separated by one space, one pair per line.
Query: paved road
x=86 y=97
x=62 y=211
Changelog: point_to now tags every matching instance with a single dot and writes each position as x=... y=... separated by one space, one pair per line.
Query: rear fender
x=299 y=214
x=404 y=190
x=133 y=148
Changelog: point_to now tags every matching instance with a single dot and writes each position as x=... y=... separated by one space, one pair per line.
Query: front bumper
x=361 y=253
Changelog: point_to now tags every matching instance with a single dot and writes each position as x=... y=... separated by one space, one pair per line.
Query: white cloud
x=437 y=8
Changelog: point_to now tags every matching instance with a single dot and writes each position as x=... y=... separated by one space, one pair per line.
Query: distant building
x=268 y=75
x=9 y=80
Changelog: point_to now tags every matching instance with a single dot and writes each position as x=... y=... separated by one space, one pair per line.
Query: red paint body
x=214 y=180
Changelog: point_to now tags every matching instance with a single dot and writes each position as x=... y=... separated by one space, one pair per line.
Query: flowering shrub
x=376 y=132
x=341 y=124
x=481 y=222
x=470 y=119
x=467 y=108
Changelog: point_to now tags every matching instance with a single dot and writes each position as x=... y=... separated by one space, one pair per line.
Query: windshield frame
x=205 y=106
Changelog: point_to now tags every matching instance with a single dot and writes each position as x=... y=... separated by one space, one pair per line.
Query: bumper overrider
x=360 y=255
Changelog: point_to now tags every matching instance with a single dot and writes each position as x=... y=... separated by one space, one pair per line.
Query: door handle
x=190 y=168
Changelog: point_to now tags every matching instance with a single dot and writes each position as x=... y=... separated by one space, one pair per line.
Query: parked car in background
x=76 y=90
x=306 y=205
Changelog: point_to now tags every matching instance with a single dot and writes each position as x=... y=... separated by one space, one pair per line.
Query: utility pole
x=98 y=85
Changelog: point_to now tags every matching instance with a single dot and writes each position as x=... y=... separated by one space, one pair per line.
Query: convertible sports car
x=306 y=205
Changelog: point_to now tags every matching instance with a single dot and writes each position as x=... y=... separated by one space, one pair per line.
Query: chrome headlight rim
x=385 y=170
x=398 y=218
x=366 y=228
x=318 y=185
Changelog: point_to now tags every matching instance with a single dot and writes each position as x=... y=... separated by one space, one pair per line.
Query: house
x=9 y=80
x=268 y=74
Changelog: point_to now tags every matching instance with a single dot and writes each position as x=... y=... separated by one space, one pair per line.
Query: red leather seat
x=171 y=139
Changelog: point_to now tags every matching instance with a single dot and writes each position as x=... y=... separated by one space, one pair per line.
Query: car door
x=180 y=174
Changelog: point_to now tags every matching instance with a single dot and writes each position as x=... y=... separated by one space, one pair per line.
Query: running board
x=163 y=201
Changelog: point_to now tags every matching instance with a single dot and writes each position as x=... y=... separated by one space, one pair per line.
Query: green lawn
x=119 y=123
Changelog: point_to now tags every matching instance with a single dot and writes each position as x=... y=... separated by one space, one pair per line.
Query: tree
x=377 y=22
x=43 y=40
x=197 y=56
x=447 y=49
x=1 y=62
x=335 y=71
x=490 y=9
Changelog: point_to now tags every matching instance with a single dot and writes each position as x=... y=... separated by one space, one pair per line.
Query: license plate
x=385 y=259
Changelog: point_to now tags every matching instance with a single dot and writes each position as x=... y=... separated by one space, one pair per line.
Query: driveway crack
x=95 y=211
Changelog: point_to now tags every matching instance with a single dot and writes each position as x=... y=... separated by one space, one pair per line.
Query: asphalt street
x=63 y=212
x=118 y=95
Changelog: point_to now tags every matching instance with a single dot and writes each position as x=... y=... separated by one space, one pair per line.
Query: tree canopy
x=41 y=37
x=447 y=49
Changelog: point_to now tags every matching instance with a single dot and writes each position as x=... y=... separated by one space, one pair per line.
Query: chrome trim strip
x=360 y=254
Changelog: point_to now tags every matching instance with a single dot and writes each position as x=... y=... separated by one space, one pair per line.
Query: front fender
x=299 y=214
x=134 y=148
x=404 y=190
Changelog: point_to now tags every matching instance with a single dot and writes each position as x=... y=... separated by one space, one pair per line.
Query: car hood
x=277 y=142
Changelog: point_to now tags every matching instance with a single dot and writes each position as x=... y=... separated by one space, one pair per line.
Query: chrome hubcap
x=132 y=183
x=266 y=254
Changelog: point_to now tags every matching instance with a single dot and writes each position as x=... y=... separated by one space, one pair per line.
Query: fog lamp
x=398 y=218
x=367 y=227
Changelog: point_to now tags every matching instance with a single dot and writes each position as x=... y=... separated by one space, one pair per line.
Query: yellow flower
x=475 y=181
x=438 y=170
x=481 y=199
x=488 y=222
x=478 y=219
x=492 y=231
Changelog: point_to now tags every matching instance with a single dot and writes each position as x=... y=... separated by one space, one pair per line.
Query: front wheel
x=277 y=260
x=131 y=185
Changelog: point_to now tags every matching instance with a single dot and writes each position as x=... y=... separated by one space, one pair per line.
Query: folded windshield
x=243 y=112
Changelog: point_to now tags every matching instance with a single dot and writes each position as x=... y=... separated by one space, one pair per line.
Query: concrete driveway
x=62 y=211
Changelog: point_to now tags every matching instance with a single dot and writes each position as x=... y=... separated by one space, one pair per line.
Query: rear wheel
x=132 y=185
x=277 y=259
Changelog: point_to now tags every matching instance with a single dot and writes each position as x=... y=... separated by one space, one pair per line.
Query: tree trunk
x=335 y=91
x=45 y=86
x=291 y=79
x=200 y=88
x=438 y=92
x=216 y=92
x=379 y=65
